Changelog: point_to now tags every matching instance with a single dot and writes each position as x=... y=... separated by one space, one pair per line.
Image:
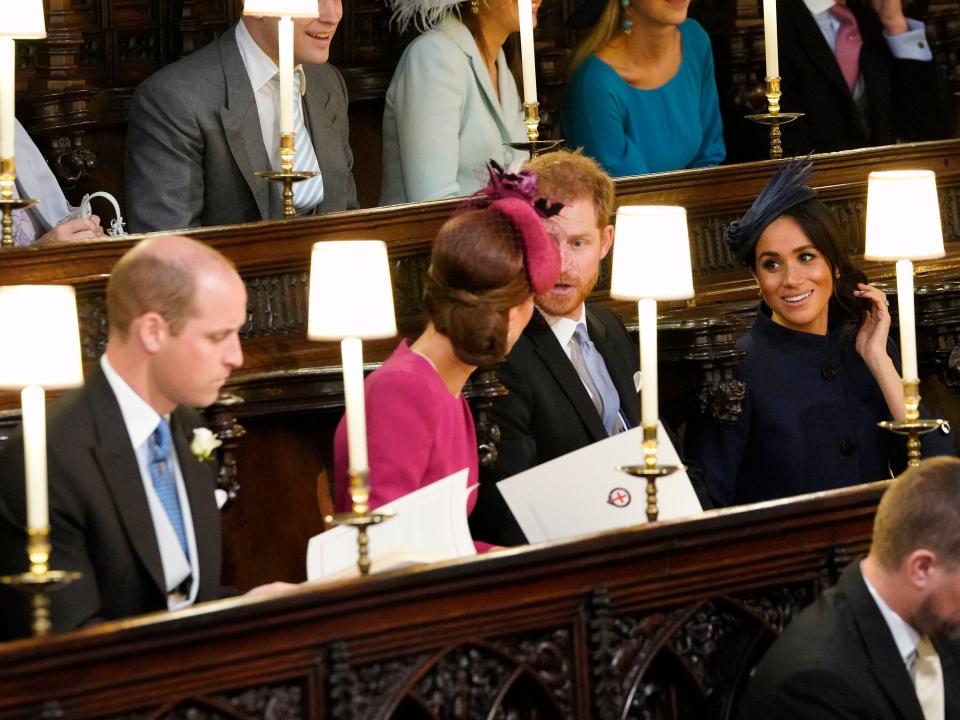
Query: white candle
x=351 y=350
x=7 y=96
x=647 y=311
x=770 y=37
x=527 y=59
x=908 y=332
x=35 y=455
x=286 y=75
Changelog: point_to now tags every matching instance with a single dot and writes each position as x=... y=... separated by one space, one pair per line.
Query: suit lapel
x=203 y=509
x=547 y=347
x=814 y=46
x=459 y=33
x=885 y=661
x=241 y=123
x=118 y=463
x=620 y=372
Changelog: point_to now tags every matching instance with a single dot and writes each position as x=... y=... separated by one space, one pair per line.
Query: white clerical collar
x=141 y=419
x=818 y=6
x=903 y=633
x=563 y=327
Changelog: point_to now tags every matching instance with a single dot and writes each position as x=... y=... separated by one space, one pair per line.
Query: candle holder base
x=913 y=429
x=7 y=206
x=361 y=521
x=288 y=179
x=775 y=120
x=536 y=147
x=651 y=473
x=39 y=585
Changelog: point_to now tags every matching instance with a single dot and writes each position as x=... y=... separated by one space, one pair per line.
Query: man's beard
x=560 y=306
x=927 y=622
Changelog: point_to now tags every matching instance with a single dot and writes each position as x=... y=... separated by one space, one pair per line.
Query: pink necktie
x=849 y=43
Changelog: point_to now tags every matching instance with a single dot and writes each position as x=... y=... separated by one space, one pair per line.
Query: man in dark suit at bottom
x=131 y=497
x=885 y=641
x=553 y=408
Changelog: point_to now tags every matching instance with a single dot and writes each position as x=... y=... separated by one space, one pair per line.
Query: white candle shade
x=40 y=337
x=651 y=254
x=350 y=291
x=23 y=19
x=281 y=8
x=903 y=216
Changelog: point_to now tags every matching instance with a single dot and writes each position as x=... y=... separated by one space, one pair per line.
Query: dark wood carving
x=659 y=621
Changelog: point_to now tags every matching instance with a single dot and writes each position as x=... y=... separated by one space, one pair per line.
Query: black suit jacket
x=548 y=412
x=904 y=101
x=99 y=516
x=838 y=659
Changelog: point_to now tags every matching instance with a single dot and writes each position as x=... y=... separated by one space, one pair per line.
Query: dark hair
x=476 y=275
x=920 y=509
x=821 y=227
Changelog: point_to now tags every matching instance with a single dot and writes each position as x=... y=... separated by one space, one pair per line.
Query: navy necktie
x=165 y=481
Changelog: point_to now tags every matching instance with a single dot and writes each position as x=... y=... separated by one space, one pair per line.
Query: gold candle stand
x=773 y=117
x=287 y=175
x=650 y=470
x=40 y=580
x=534 y=145
x=913 y=426
x=361 y=518
x=9 y=203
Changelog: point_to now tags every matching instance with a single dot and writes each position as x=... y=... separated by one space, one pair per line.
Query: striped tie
x=165 y=481
x=308 y=193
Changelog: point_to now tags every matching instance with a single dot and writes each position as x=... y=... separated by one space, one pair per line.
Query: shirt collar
x=260 y=67
x=563 y=327
x=141 y=419
x=904 y=635
x=818 y=6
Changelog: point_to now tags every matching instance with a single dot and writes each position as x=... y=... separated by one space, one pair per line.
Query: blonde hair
x=603 y=30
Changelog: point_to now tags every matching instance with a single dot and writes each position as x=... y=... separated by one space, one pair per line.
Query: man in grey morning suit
x=200 y=129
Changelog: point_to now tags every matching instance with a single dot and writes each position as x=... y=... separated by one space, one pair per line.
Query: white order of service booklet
x=429 y=525
x=582 y=492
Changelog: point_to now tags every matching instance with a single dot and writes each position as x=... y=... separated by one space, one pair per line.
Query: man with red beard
x=570 y=375
x=884 y=642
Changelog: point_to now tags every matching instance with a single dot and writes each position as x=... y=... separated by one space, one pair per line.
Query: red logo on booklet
x=619 y=497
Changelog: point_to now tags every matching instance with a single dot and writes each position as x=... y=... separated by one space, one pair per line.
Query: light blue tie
x=165 y=481
x=593 y=371
x=308 y=193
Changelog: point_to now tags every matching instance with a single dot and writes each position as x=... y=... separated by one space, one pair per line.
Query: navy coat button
x=829 y=372
x=848 y=447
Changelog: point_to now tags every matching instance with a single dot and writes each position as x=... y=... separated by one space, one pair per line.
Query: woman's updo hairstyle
x=491 y=256
x=476 y=275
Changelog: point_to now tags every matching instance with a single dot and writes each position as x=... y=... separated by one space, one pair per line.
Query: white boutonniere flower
x=204 y=442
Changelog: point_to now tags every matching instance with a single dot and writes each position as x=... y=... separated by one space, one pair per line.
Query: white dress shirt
x=141 y=420
x=262 y=70
x=911 y=45
x=904 y=635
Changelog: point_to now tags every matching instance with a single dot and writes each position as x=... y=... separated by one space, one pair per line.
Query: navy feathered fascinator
x=788 y=187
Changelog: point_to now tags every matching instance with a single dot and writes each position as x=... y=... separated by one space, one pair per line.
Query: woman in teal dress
x=642 y=96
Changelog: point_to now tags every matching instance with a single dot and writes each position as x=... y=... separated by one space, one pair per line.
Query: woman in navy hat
x=819 y=369
x=642 y=96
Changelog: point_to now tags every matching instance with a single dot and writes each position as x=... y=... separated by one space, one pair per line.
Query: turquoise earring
x=627 y=23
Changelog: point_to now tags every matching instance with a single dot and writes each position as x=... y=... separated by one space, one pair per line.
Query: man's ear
x=152 y=331
x=606 y=241
x=919 y=565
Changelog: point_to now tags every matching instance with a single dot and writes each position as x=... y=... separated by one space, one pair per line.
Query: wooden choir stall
x=663 y=620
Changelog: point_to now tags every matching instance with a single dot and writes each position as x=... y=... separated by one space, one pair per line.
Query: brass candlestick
x=9 y=203
x=361 y=518
x=287 y=175
x=40 y=580
x=534 y=145
x=913 y=426
x=773 y=117
x=651 y=470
